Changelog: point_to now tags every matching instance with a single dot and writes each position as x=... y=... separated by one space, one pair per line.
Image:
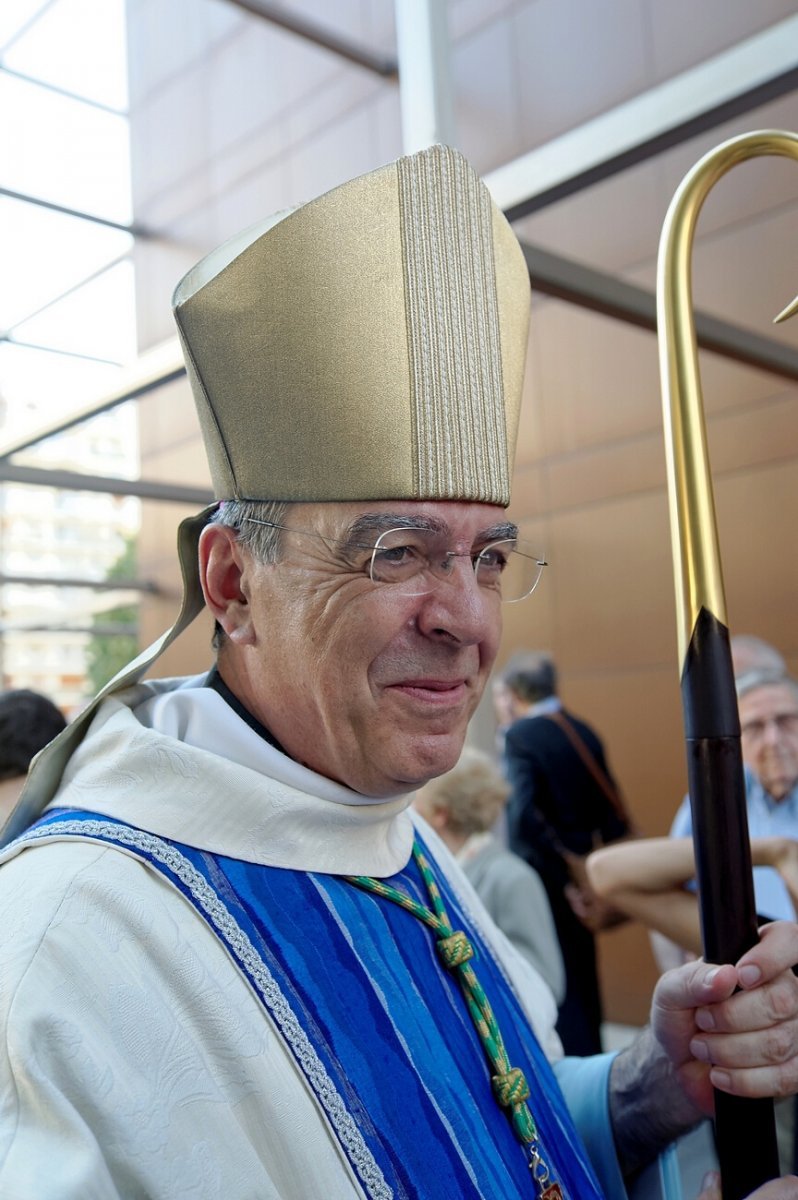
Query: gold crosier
x=696 y=558
x=745 y=1133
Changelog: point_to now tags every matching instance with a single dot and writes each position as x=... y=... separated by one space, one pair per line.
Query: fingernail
x=699 y=1050
x=749 y=975
x=711 y=1179
x=720 y=1079
x=705 y=1019
x=710 y=975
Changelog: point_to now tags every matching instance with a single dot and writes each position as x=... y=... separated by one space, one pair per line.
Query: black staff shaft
x=745 y=1129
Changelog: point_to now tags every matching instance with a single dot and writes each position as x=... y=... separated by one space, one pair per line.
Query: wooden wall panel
x=585 y=355
x=758 y=517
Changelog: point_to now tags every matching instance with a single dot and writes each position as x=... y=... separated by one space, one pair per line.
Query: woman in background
x=463 y=808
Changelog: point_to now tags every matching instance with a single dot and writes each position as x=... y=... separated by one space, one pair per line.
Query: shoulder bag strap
x=599 y=775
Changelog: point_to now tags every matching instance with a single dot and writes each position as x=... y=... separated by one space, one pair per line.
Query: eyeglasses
x=411 y=558
x=785 y=723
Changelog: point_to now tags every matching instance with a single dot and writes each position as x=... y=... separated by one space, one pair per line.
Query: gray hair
x=263 y=541
x=757 y=679
x=752 y=654
x=532 y=676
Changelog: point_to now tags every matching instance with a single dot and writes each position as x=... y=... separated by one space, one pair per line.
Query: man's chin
x=437 y=756
x=779 y=789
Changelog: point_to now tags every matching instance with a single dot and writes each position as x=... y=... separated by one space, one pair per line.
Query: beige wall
x=233 y=119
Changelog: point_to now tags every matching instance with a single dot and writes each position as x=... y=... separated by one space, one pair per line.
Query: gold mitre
x=367 y=345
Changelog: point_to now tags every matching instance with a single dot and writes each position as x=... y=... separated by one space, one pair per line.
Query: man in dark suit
x=564 y=803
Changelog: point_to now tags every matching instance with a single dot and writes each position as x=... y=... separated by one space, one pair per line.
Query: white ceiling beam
x=320 y=35
x=752 y=72
x=425 y=83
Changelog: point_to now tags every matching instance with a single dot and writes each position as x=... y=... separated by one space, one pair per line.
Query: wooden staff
x=745 y=1130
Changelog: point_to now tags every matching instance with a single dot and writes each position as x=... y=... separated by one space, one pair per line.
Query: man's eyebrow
x=366 y=528
x=497 y=533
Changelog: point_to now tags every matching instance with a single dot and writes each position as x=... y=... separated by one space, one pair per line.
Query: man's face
x=769 y=722
x=360 y=681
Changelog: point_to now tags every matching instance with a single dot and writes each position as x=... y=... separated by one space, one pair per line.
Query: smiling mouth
x=432 y=691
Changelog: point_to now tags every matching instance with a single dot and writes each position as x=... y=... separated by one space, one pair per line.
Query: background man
x=753 y=660
x=752 y=653
x=768 y=704
x=232 y=967
x=564 y=804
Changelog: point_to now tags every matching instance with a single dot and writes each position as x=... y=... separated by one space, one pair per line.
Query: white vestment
x=150 y=1068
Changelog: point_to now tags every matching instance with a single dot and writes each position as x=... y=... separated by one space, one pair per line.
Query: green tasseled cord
x=509 y=1084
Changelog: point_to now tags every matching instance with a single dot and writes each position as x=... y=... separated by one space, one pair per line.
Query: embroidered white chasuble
x=159 y=1071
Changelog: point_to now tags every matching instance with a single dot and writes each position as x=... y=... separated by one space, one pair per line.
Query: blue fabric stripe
x=355 y=970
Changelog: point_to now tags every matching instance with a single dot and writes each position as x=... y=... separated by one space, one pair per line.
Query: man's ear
x=222 y=563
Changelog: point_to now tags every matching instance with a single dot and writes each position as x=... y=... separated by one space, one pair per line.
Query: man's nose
x=457 y=607
x=773 y=731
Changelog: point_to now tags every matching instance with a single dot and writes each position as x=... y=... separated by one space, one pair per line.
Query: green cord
x=510 y=1087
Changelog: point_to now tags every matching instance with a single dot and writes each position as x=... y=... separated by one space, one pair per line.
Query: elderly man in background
x=231 y=967
x=753 y=660
x=752 y=653
x=768 y=704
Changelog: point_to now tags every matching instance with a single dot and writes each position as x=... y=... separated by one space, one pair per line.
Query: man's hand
x=777 y=1189
x=744 y=1041
x=733 y=1028
x=594 y=913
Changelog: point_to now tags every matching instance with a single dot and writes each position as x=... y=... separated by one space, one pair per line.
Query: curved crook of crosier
x=697 y=569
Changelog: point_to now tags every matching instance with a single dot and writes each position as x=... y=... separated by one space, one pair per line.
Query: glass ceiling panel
x=43 y=254
x=15 y=14
x=98 y=319
x=78 y=45
x=38 y=387
x=63 y=150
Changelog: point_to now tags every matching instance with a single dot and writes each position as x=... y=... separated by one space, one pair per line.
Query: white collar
x=180 y=763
